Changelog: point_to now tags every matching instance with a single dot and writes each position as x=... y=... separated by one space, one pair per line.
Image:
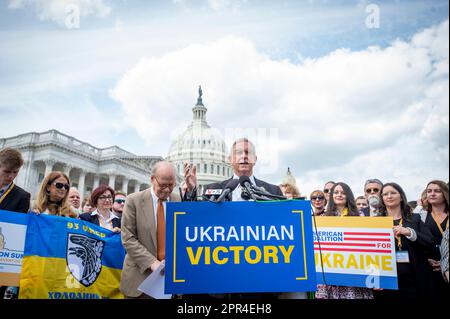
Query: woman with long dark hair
x=437 y=220
x=412 y=240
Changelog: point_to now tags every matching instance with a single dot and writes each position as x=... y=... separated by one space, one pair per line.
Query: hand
x=155 y=265
x=116 y=230
x=436 y=265
x=400 y=230
x=36 y=211
x=190 y=176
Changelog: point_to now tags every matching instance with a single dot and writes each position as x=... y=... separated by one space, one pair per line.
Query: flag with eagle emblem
x=67 y=258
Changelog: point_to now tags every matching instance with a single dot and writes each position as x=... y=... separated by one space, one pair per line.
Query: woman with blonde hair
x=52 y=196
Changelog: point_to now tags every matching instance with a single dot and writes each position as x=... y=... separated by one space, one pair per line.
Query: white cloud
x=345 y=116
x=58 y=10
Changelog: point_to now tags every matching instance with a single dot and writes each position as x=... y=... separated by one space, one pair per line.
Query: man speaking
x=243 y=159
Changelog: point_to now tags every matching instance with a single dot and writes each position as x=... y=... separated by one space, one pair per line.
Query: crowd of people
x=420 y=227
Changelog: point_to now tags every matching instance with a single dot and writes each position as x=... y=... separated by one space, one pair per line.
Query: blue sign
x=236 y=247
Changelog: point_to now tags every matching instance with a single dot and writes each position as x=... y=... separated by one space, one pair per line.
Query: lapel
x=149 y=214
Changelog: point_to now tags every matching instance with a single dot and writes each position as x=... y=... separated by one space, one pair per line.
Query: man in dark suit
x=12 y=197
x=372 y=192
x=243 y=158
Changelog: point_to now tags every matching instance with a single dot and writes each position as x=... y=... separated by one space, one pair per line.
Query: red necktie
x=160 y=231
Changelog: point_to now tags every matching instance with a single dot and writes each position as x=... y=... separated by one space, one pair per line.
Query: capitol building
x=88 y=166
x=203 y=147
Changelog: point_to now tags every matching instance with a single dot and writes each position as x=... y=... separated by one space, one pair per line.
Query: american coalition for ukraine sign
x=355 y=251
x=239 y=247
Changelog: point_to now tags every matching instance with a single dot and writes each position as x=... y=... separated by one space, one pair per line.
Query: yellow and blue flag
x=67 y=258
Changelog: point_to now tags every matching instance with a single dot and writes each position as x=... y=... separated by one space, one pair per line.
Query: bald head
x=163 y=179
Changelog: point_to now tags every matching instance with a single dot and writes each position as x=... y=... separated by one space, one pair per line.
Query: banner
x=238 y=247
x=13 y=227
x=66 y=258
x=356 y=252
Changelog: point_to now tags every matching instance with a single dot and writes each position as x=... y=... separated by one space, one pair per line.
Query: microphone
x=227 y=190
x=211 y=194
x=246 y=185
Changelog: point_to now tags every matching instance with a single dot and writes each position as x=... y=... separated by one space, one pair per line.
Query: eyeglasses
x=317 y=198
x=120 y=201
x=62 y=185
x=164 y=186
x=105 y=197
x=326 y=190
x=372 y=190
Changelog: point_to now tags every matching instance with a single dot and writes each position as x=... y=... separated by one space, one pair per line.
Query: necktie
x=160 y=231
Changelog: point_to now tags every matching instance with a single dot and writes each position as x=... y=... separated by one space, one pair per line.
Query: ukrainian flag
x=66 y=258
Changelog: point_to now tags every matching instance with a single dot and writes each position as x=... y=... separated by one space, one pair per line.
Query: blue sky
x=148 y=57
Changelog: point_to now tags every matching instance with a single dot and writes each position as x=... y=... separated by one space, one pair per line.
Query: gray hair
x=374 y=180
x=243 y=140
x=159 y=164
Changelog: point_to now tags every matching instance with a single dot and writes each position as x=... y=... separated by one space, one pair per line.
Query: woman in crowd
x=412 y=240
x=342 y=203
x=52 y=196
x=102 y=199
x=290 y=191
x=437 y=220
x=318 y=202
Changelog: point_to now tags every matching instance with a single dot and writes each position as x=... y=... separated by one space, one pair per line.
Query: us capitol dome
x=202 y=146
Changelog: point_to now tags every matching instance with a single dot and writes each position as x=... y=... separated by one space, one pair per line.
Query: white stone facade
x=86 y=165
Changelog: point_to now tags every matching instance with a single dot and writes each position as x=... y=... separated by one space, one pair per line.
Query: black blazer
x=18 y=200
x=94 y=219
x=272 y=189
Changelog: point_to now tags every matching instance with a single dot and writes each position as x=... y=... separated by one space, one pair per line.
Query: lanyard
x=399 y=241
x=439 y=224
x=7 y=192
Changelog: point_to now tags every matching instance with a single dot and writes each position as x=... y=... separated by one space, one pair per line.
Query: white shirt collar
x=111 y=214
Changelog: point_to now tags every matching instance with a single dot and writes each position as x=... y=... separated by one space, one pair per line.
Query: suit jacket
x=18 y=200
x=94 y=219
x=139 y=239
x=273 y=189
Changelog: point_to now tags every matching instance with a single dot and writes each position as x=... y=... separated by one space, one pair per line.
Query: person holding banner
x=102 y=199
x=52 y=196
x=12 y=197
x=342 y=203
x=412 y=239
x=143 y=229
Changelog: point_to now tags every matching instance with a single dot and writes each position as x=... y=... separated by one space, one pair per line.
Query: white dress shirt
x=105 y=222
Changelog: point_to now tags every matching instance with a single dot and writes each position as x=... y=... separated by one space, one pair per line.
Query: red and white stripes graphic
x=359 y=242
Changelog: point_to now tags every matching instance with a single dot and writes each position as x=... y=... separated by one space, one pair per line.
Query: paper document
x=153 y=285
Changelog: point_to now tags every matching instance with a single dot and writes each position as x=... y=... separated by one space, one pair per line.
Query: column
x=112 y=181
x=125 y=185
x=48 y=166
x=96 y=181
x=67 y=169
x=137 y=186
x=81 y=182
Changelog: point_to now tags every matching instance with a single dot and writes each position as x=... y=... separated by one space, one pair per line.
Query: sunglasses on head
x=317 y=198
x=62 y=185
x=120 y=201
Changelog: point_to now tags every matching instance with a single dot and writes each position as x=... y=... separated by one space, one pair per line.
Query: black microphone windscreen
x=244 y=179
x=232 y=184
